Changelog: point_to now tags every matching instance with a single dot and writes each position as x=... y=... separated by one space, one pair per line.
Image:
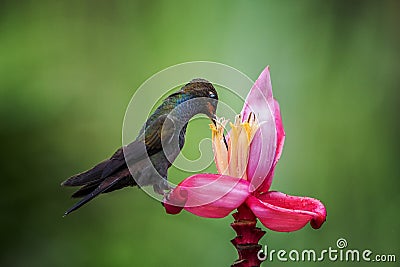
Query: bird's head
x=202 y=94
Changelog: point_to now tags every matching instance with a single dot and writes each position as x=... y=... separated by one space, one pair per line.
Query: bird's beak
x=213 y=119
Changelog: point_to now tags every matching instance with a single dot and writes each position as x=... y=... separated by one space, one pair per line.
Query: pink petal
x=175 y=201
x=280 y=141
x=259 y=93
x=283 y=213
x=208 y=195
x=279 y=131
x=263 y=147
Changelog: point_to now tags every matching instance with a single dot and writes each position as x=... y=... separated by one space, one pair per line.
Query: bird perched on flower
x=245 y=170
x=146 y=160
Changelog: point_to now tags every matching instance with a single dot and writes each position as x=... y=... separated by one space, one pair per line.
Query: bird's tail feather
x=92 y=184
x=86 y=189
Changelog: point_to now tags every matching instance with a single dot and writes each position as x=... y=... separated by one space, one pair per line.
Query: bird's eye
x=211 y=94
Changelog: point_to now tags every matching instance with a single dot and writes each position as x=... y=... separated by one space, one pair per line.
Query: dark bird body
x=146 y=160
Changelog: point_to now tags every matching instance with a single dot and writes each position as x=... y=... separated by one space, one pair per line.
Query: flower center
x=232 y=161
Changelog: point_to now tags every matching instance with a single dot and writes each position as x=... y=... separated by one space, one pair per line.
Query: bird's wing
x=133 y=152
x=86 y=177
x=160 y=129
x=158 y=132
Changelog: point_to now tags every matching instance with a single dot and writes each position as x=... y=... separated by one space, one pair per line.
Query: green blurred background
x=68 y=70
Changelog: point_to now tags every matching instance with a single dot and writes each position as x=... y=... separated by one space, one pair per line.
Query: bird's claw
x=162 y=187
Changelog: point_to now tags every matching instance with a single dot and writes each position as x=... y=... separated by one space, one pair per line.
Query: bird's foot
x=162 y=187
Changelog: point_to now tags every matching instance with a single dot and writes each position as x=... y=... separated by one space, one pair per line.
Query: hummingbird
x=145 y=161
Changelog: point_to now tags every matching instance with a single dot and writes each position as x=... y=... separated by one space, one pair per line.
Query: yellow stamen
x=220 y=150
x=234 y=161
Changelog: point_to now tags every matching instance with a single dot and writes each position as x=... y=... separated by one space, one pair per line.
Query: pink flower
x=246 y=168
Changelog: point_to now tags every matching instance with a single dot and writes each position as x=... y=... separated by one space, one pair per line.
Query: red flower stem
x=248 y=235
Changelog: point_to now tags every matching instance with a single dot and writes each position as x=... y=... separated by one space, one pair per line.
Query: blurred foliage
x=69 y=68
